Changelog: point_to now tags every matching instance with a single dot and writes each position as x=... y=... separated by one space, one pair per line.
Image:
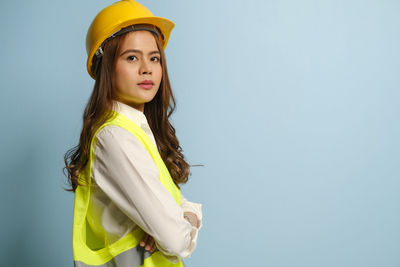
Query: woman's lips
x=146 y=84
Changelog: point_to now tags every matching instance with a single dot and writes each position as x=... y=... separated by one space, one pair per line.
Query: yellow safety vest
x=126 y=251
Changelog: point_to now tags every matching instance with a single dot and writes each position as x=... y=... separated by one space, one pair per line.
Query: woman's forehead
x=141 y=40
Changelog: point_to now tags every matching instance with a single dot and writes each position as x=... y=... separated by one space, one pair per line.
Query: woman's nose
x=145 y=68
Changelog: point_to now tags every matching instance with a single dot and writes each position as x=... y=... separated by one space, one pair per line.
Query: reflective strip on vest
x=135 y=257
x=87 y=249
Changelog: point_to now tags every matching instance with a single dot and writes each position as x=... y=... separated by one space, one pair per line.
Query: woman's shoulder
x=116 y=145
x=110 y=130
x=114 y=135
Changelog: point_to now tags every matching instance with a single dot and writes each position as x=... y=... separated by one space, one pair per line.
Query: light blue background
x=292 y=106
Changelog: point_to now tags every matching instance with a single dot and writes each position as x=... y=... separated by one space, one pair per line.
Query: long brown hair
x=157 y=112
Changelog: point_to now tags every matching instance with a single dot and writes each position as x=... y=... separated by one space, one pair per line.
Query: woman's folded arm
x=129 y=177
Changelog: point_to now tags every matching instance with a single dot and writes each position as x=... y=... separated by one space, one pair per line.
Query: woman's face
x=138 y=60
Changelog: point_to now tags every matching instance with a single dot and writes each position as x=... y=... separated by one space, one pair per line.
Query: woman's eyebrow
x=139 y=51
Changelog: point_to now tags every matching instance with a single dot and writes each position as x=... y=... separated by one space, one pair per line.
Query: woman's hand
x=148 y=242
x=192 y=218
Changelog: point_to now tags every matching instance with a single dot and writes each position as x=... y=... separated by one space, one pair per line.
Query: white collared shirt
x=127 y=192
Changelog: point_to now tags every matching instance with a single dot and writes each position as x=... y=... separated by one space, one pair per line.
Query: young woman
x=125 y=172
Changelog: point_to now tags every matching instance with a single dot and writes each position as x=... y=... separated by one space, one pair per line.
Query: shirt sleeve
x=196 y=208
x=129 y=177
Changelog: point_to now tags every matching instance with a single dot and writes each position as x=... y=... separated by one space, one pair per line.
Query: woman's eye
x=156 y=59
x=130 y=58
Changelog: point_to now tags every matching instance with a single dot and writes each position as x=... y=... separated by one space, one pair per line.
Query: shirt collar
x=131 y=113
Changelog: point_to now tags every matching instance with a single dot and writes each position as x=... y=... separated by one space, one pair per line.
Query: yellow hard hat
x=119 y=15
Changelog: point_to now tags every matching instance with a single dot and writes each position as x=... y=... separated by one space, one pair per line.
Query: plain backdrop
x=291 y=106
